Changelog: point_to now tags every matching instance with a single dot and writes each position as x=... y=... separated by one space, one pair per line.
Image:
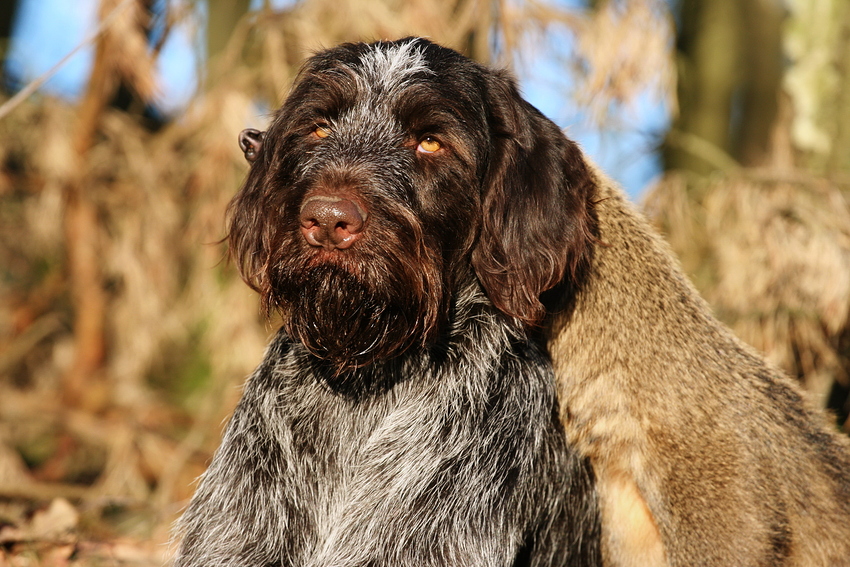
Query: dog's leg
x=629 y=531
x=249 y=509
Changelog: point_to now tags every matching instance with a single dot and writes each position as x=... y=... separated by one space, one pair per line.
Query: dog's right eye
x=429 y=145
x=322 y=131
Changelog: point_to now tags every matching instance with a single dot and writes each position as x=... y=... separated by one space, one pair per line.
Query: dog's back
x=704 y=453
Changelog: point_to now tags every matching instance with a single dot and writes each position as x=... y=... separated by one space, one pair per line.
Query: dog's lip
x=340 y=259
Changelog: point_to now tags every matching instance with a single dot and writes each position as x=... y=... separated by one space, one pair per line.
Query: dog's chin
x=348 y=323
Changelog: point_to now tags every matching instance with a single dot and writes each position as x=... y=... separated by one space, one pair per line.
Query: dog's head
x=392 y=172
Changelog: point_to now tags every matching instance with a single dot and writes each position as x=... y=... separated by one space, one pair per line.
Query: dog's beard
x=348 y=323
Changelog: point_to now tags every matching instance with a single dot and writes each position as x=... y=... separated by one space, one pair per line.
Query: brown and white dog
x=400 y=418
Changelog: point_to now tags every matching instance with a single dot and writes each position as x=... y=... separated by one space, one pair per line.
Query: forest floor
x=60 y=534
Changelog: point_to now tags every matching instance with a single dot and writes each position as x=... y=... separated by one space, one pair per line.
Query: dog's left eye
x=429 y=145
x=322 y=131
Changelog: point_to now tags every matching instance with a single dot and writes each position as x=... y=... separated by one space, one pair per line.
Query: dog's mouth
x=344 y=321
x=352 y=304
x=348 y=261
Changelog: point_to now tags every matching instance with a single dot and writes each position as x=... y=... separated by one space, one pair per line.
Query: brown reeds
x=771 y=252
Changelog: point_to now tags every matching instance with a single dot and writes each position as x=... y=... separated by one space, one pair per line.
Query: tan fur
x=629 y=533
x=704 y=454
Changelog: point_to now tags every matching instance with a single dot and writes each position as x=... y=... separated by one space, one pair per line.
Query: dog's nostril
x=331 y=222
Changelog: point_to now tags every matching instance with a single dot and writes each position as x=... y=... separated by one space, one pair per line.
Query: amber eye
x=429 y=145
x=322 y=131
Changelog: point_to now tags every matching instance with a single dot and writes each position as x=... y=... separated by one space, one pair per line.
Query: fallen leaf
x=59 y=519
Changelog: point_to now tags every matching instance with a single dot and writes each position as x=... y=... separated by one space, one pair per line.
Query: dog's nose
x=331 y=222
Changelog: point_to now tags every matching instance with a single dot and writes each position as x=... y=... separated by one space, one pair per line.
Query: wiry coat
x=704 y=454
x=400 y=417
x=461 y=462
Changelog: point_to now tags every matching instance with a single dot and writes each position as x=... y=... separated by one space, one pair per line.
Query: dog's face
x=393 y=172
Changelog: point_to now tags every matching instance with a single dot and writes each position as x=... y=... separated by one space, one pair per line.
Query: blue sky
x=627 y=149
x=46 y=30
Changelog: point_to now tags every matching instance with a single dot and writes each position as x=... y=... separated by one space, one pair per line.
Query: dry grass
x=625 y=49
x=771 y=253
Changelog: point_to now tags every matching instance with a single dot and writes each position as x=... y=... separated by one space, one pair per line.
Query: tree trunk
x=84 y=383
x=8 y=9
x=223 y=17
x=730 y=72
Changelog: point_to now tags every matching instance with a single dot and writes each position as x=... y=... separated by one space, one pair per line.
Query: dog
x=396 y=215
x=703 y=453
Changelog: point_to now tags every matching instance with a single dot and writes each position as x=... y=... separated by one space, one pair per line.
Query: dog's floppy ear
x=252 y=215
x=538 y=220
x=251 y=142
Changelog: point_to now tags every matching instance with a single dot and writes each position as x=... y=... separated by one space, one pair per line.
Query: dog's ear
x=538 y=219
x=251 y=142
x=252 y=215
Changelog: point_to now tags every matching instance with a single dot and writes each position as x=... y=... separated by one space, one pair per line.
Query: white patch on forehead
x=390 y=68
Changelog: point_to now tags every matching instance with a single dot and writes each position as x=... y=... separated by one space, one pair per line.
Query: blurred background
x=124 y=333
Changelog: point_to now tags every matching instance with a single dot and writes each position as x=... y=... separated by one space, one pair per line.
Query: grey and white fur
x=405 y=415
